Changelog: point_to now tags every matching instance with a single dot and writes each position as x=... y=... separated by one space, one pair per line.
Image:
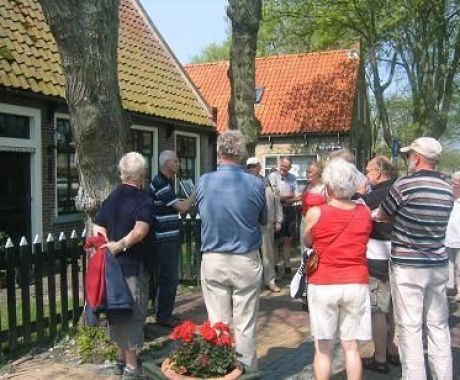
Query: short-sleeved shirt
x=165 y=217
x=231 y=204
x=286 y=184
x=118 y=214
x=420 y=205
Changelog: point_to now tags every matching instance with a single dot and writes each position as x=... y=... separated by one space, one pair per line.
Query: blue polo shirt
x=231 y=204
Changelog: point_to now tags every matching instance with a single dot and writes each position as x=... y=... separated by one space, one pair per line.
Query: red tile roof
x=303 y=93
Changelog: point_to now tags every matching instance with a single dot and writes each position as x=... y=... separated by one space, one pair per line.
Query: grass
x=33 y=312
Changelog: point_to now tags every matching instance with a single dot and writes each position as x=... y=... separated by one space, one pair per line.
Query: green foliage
x=94 y=346
x=214 y=52
x=450 y=161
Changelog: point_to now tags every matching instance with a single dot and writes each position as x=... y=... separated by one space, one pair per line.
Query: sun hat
x=426 y=146
x=252 y=161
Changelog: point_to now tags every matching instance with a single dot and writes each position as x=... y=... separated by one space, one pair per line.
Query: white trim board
x=34 y=146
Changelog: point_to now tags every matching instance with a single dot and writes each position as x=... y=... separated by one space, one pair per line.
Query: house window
x=300 y=164
x=142 y=141
x=186 y=150
x=258 y=95
x=67 y=180
x=14 y=126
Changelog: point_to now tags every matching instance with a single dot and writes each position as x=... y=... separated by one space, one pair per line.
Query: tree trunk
x=245 y=16
x=86 y=32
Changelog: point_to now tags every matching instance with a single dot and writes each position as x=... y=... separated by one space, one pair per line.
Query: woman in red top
x=338 y=293
x=313 y=195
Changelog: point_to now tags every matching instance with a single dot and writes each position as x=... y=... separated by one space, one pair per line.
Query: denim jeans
x=167 y=267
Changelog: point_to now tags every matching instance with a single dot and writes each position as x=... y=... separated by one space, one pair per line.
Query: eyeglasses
x=372 y=169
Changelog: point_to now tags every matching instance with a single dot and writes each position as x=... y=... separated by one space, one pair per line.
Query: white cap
x=426 y=146
x=252 y=161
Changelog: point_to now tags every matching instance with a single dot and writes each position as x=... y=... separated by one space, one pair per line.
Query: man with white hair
x=166 y=209
x=419 y=206
x=231 y=203
x=285 y=183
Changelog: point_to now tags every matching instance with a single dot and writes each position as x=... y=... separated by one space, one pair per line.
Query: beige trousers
x=268 y=253
x=419 y=297
x=231 y=286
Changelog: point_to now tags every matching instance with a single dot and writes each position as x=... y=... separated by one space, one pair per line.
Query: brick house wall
x=48 y=108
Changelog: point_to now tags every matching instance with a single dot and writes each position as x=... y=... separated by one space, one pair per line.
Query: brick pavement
x=284 y=345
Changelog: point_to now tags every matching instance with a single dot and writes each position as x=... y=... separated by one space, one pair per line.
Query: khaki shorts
x=342 y=311
x=380 y=295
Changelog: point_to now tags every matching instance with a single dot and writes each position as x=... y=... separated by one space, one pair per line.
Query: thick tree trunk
x=86 y=32
x=245 y=16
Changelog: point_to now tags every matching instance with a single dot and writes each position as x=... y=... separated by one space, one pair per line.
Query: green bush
x=94 y=346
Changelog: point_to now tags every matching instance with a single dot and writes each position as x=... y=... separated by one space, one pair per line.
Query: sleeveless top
x=310 y=199
x=343 y=261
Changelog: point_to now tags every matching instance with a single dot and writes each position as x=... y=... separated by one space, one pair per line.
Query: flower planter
x=154 y=371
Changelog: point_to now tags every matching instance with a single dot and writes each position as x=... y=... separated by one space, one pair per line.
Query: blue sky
x=188 y=25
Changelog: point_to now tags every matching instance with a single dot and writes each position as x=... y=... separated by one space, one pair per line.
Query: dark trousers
x=167 y=268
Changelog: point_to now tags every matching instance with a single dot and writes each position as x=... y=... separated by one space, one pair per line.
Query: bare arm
x=311 y=219
x=184 y=206
x=379 y=215
x=278 y=210
x=136 y=235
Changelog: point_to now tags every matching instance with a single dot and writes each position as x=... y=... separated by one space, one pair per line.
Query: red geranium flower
x=225 y=340
x=203 y=352
x=207 y=332
x=221 y=326
x=185 y=331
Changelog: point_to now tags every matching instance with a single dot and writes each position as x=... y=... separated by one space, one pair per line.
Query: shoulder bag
x=312 y=261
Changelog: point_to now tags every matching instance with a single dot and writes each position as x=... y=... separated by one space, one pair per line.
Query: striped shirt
x=420 y=205
x=165 y=217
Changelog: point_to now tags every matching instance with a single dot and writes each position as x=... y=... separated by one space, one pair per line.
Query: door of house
x=15 y=196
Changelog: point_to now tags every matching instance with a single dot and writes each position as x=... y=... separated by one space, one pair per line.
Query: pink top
x=343 y=262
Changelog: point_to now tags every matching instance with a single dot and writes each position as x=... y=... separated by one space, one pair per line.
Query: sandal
x=371 y=364
x=393 y=359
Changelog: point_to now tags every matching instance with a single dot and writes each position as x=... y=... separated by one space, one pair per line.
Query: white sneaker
x=272 y=286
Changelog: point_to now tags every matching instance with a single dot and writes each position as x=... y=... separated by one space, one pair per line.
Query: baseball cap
x=252 y=161
x=426 y=146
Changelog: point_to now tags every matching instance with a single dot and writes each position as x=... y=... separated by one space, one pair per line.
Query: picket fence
x=42 y=285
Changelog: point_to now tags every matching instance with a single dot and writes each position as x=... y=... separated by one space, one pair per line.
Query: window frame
x=32 y=145
x=68 y=216
x=300 y=179
x=155 y=153
x=197 y=149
